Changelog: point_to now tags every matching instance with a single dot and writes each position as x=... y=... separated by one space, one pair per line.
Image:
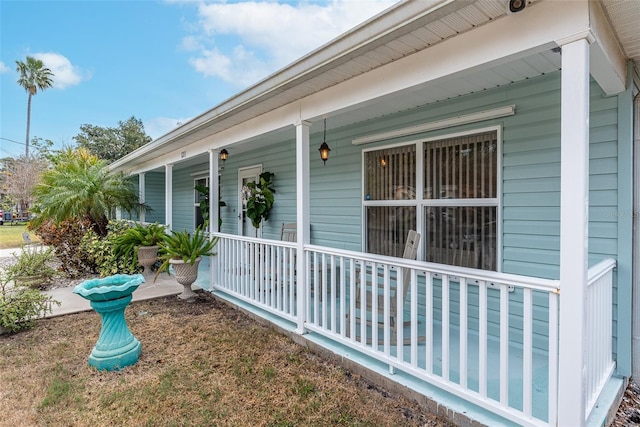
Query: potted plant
x=259 y=197
x=141 y=241
x=183 y=251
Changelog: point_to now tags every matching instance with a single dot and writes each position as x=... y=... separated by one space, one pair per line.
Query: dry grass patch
x=202 y=363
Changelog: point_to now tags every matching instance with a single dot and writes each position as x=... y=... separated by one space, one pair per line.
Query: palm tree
x=33 y=76
x=80 y=186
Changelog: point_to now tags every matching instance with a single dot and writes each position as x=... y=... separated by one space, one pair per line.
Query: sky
x=163 y=62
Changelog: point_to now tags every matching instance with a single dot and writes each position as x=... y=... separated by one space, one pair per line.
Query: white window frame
x=197 y=178
x=420 y=203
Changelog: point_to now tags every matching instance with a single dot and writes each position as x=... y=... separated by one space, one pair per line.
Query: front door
x=246 y=175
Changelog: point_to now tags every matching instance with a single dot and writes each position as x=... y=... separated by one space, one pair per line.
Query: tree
x=79 y=186
x=33 y=76
x=110 y=144
x=21 y=176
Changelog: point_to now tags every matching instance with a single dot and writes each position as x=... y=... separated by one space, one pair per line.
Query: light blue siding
x=184 y=196
x=154 y=196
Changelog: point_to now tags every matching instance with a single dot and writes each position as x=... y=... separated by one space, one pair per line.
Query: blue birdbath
x=109 y=296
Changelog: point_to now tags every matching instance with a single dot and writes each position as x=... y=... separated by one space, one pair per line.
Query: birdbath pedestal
x=109 y=296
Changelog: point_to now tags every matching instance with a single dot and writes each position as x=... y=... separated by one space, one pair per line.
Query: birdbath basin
x=109 y=296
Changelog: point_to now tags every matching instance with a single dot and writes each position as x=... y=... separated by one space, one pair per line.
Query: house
x=501 y=131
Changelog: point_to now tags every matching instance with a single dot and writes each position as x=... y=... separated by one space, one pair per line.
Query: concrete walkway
x=73 y=303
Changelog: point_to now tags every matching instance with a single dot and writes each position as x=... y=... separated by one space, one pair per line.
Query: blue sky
x=163 y=62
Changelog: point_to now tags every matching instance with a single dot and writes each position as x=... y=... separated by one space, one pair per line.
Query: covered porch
x=535 y=332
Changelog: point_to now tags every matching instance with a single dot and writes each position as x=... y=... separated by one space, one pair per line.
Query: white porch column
x=574 y=234
x=168 y=195
x=214 y=199
x=302 y=217
x=142 y=192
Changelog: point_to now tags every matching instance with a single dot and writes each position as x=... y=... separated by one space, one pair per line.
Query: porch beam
x=574 y=234
x=302 y=217
x=168 y=193
x=142 y=196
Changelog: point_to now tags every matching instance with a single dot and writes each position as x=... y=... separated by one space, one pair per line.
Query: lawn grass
x=11 y=235
x=202 y=364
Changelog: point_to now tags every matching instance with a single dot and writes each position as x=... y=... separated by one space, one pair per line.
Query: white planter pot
x=147 y=256
x=186 y=274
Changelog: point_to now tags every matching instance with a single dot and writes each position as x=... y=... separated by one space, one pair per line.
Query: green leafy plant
x=259 y=197
x=33 y=267
x=21 y=306
x=127 y=243
x=181 y=245
x=204 y=204
x=101 y=250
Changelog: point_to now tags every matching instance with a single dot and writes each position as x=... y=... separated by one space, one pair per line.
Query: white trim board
x=495 y=113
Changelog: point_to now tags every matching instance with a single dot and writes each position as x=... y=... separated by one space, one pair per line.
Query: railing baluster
x=504 y=345
x=445 y=326
x=428 y=323
x=464 y=333
x=482 y=344
x=527 y=350
x=413 y=283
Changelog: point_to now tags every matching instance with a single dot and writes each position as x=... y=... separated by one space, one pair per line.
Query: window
x=199 y=197
x=457 y=196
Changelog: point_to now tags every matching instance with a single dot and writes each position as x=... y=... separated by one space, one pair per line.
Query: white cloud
x=159 y=126
x=3 y=68
x=65 y=74
x=241 y=42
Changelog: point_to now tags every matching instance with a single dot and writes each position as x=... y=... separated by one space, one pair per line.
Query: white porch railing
x=599 y=341
x=258 y=271
x=489 y=338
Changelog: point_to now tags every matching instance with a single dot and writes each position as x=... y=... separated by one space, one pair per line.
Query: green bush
x=21 y=306
x=33 y=267
x=103 y=251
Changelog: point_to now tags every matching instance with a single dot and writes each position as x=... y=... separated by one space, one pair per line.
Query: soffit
x=624 y=16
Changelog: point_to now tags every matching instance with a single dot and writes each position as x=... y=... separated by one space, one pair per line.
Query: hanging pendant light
x=324 y=148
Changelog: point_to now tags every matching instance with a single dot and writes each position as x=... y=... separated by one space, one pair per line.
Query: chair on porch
x=410 y=252
x=288 y=232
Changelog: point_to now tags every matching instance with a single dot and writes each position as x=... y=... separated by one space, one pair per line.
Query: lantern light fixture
x=224 y=155
x=324 y=148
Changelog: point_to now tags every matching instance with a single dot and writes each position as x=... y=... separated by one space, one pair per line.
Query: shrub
x=102 y=251
x=21 y=306
x=33 y=267
x=65 y=239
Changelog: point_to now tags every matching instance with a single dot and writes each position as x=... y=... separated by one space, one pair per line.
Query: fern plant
x=181 y=245
x=127 y=243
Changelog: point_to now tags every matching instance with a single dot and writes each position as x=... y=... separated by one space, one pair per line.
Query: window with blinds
x=460 y=193
x=458 y=199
